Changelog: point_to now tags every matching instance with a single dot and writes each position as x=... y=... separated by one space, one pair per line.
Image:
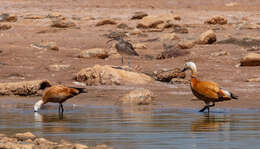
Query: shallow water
x=139 y=127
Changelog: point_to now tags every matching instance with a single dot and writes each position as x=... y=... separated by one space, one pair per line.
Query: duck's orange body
x=207 y=91
x=57 y=94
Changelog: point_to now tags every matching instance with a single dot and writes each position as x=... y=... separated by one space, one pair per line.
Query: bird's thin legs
x=128 y=62
x=204 y=108
x=61 y=108
x=122 y=60
x=207 y=107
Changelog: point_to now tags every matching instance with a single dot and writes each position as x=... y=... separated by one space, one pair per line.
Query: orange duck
x=57 y=94
x=207 y=91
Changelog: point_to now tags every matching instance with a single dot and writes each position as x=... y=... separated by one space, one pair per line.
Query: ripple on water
x=138 y=127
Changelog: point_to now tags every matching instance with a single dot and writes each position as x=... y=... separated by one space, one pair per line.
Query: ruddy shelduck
x=207 y=91
x=57 y=94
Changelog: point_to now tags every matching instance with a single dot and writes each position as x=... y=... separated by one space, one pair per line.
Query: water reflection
x=136 y=127
x=210 y=123
x=48 y=118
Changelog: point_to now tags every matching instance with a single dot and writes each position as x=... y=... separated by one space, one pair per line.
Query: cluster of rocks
x=140 y=96
x=109 y=75
x=24 y=88
x=30 y=141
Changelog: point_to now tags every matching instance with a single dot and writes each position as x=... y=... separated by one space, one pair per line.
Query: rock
x=107 y=75
x=249 y=26
x=2 y=135
x=149 y=22
x=173 y=53
x=5 y=26
x=43 y=141
x=155 y=30
x=59 y=23
x=46 y=45
x=169 y=17
x=122 y=26
x=207 y=37
x=186 y=44
x=56 y=15
x=57 y=67
x=216 y=20
x=221 y=53
x=251 y=59
x=139 y=15
x=255 y=49
x=179 y=81
x=16 y=146
x=94 y=53
x=29 y=141
x=87 y=18
x=180 y=29
x=166 y=24
x=171 y=36
x=33 y=16
x=168 y=75
x=232 y=4
x=25 y=136
x=139 y=96
x=103 y=146
x=245 y=42
x=24 y=88
x=6 y=17
x=116 y=34
x=177 y=17
x=140 y=46
x=136 y=31
x=106 y=22
x=80 y=146
x=253 y=80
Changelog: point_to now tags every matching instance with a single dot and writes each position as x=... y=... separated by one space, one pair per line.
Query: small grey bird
x=124 y=48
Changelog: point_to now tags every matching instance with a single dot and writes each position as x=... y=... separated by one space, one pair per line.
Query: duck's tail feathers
x=81 y=90
x=234 y=96
x=229 y=94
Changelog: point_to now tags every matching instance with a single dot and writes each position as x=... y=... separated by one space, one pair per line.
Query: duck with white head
x=57 y=94
x=207 y=91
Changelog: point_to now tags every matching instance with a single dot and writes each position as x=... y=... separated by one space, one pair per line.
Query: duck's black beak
x=109 y=41
x=184 y=69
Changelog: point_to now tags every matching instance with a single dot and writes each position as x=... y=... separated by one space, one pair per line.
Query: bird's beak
x=184 y=69
x=109 y=41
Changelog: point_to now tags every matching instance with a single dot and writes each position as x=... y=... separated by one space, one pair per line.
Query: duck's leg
x=204 y=108
x=213 y=104
x=61 y=107
x=60 y=116
x=207 y=106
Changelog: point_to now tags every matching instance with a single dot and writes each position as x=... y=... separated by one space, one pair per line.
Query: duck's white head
x=190 y=66
x=38 y=105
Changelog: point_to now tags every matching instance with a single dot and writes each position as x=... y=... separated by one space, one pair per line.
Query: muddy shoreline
x=28 y=140
x=32 y=48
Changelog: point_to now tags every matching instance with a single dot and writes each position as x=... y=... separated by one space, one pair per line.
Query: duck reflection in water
x=209 y=123
x=48 y=118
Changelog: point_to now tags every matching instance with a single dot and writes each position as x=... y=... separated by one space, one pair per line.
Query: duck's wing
x=207 y=89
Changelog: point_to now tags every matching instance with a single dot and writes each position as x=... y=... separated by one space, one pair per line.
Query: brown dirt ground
x=23 y=62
